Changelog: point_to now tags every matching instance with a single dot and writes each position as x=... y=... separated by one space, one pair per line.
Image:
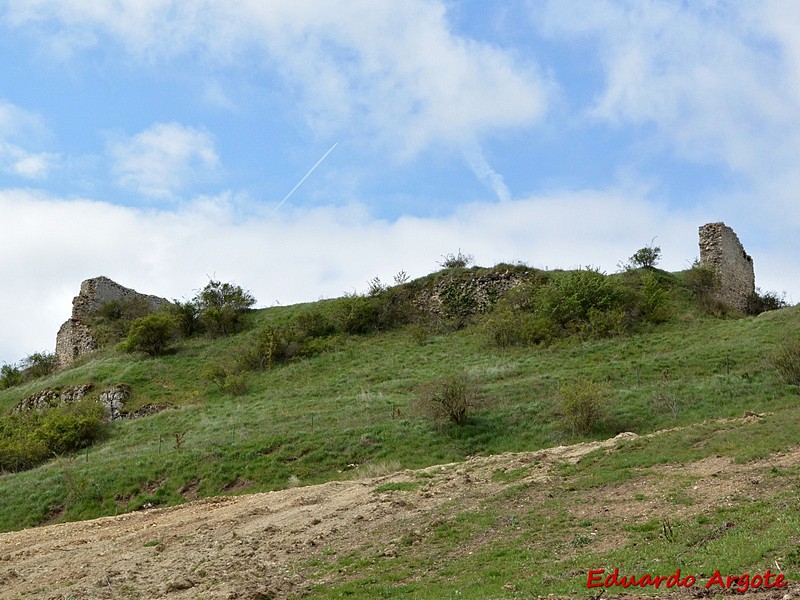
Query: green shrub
x=316 y=324
x=220 y=307
x=583 y=405
x=448 y=399
x=39 y=364
x=113 y=319
x=576 y=299
x=506 y=327
x=359 y=314
x=653 y=302
x=458 y=302
x=30 y=438
x=703 y=282
x=456 y=261
x=268 y=346
x=10 y=376
x=186 y=316
x=759 y=302
x=787 y=361
x=151 y=334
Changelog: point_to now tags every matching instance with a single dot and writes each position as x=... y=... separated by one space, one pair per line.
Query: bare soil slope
x=261 y=545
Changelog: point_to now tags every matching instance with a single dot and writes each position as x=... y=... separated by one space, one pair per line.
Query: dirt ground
x=258 y=546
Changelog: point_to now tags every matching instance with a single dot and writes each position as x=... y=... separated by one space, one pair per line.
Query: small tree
x=151 y=334
x=456 y=261
x=39 y=364
x=220 y=306
x=646 y=257
x=10 y=375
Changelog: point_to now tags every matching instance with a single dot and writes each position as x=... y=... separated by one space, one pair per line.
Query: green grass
x=340 y=412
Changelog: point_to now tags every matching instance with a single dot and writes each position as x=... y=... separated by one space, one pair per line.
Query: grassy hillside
x=349 y=411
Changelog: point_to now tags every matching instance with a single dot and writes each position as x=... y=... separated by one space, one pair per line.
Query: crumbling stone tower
x=721 y=249
x=75 y=338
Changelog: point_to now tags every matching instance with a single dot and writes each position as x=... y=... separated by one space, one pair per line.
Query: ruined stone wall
x=75 y=338
x=721 y=249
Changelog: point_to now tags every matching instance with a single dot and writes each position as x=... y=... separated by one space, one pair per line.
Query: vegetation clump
x=450 y=398
x=31 y=437
x=583 y=405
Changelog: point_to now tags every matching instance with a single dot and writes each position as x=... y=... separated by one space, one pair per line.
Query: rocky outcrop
x=74 y=338
x=721 y=250
x=460 y=293
x=112 y=398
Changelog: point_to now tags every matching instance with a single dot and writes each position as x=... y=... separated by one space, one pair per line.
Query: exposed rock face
x=75 y=338
x=471 y=291
x=721 y=249
x=113 y=399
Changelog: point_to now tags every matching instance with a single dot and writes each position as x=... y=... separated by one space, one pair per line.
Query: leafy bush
x=760 y=302
x=570 y=299
x=220 y=307
x=10 y=376
x=113 y=319
x=583 y=405
x=506 y=327
x=39 y=364
x=703 y=282
x=151 y=334
x=653 y=302
x=787 y=360
x=456 y=261
x=30 y=438
x=448 y=399
x=268 y=346
x=186 y=316
x=316 y=324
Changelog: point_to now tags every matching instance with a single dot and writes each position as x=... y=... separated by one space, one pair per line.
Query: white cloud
x=19 y=126
x=720 y=82
x=383 y=70
x=160 y=161
x=171 y=253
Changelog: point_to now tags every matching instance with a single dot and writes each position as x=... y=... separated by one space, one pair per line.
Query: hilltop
x=333 y=393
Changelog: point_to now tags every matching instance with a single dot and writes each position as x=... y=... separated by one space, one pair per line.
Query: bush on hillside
x=30 y=438
x=759 y=302
x=151 y=334
x=113 y=320
x=220 y=307
x=456 y=261
x=450 y=398
x=703 y=282
x=787 y=360
x=38 y=364
x=10 y=376
x=583 y=405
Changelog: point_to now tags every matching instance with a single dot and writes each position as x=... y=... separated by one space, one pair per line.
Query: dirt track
x=258 y=546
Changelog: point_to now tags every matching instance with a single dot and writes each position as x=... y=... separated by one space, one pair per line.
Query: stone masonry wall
x=721 y=249
x=75 y=338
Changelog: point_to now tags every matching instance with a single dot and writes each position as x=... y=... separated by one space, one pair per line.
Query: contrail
x=299 y=183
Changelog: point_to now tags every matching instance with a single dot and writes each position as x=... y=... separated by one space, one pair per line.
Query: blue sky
x=152 y=141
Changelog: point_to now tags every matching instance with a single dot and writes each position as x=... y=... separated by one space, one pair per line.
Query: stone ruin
x=721 y=250
x=75 y=337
